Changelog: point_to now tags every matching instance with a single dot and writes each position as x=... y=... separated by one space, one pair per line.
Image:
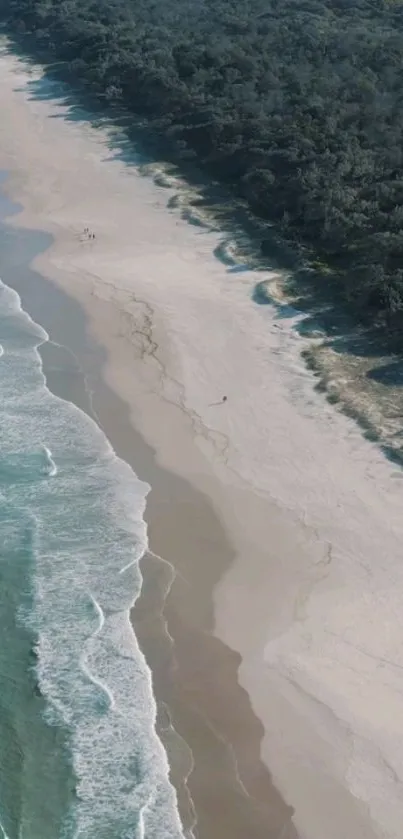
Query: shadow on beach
x=309 y=298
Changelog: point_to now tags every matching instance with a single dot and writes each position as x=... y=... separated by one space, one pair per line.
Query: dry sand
x=312 y=599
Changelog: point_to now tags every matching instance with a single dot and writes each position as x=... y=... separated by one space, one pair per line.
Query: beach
x=270 y=614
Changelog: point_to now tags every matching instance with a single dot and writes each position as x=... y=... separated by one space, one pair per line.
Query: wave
x=84 y=663
x=81 y=567
x=3 y=832
x=51 y=468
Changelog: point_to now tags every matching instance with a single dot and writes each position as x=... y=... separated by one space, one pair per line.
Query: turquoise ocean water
x=79 y=756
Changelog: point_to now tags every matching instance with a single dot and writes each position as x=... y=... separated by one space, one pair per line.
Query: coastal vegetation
x=297 y=105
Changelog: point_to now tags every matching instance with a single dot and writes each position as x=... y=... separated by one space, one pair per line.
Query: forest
x=296 y=105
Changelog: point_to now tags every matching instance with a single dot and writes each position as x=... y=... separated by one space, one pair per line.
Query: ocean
x=79 y=756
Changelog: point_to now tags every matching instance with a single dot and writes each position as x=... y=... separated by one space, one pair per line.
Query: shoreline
x=205 y=719
x=310 y=600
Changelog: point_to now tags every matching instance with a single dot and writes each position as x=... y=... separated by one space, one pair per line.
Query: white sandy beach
x=314 y=511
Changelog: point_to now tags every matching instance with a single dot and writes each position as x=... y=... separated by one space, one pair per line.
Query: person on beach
x=213 y=404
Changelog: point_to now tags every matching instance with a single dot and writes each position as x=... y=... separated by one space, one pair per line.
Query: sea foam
x=82 y=571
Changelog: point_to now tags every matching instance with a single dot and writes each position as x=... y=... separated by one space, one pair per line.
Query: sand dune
x=313 y=599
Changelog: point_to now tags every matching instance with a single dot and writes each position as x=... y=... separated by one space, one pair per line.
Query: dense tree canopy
x=297 y=104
